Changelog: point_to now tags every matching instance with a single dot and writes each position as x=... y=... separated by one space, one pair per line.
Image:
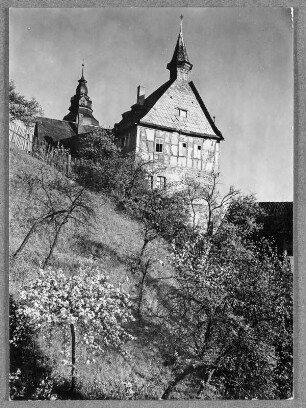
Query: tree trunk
x=72 y=329
x=193 y=215
x=143 y=272
x=209 y=222
x=53 y=244
x=141 y=287
x=27 y=237
x=176 y=380
x=206 y=383
x=145 y=243
x=33 y=228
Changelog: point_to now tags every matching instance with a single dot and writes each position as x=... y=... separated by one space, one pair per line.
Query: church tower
x=81 y=105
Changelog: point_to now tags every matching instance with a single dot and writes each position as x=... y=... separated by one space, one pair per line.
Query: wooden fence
x=56 y=156
x=21 y=136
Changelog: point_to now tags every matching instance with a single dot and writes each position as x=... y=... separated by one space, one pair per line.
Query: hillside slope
x=111 y=241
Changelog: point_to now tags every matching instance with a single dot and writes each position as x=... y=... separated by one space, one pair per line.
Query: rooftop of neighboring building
x=53 y=131
x=278 y=223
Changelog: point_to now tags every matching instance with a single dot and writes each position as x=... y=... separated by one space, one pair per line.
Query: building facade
x=172 y=128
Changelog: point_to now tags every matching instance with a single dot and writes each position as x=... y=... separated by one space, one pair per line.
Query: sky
x=242 y=67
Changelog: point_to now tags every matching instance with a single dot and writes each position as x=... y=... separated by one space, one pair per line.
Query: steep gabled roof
x=279 y=216
x=160 y=110
x=133 y=116
x=163 y=108
x=277 y=207
x=54 y=130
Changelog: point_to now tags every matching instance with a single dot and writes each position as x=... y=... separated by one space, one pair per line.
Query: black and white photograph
x=151 y=203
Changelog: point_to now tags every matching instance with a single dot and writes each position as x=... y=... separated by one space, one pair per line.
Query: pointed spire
x=179 y=66
x=82 y=77
x=81 y=105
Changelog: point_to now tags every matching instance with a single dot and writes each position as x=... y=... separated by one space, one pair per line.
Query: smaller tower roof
x=81 y=105
x=82 y=88
x=180 y=57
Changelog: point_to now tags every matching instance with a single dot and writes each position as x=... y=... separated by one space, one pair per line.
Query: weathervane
x=83 y=68
x=182 y=22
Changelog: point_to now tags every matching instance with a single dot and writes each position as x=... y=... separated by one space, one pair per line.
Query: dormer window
x=182 y=113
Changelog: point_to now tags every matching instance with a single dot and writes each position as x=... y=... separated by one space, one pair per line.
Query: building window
x=197 y=151
x=183 y=149
x=160 y=182
x=159 y=146
x=183 y=113
x=150 y=181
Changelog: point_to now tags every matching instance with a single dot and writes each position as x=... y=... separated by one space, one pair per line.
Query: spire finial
x=83 y=69
x=181 y=28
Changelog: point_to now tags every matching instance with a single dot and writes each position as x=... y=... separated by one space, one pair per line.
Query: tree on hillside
x=57 y=201
x=162 y=213
x=97 y=145
x=170 y=213
x=85 y=304
x=102 y=167
x=231 y=313
x=244 y=212
x=205 y=199
x=21 y=108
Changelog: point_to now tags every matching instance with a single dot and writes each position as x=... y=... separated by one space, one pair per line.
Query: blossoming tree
x=91 y=307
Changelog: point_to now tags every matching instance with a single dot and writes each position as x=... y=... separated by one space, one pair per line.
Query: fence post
x=68 y=164
x=20 y=136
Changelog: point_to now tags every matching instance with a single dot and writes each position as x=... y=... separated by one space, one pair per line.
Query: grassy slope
x=111 y=241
